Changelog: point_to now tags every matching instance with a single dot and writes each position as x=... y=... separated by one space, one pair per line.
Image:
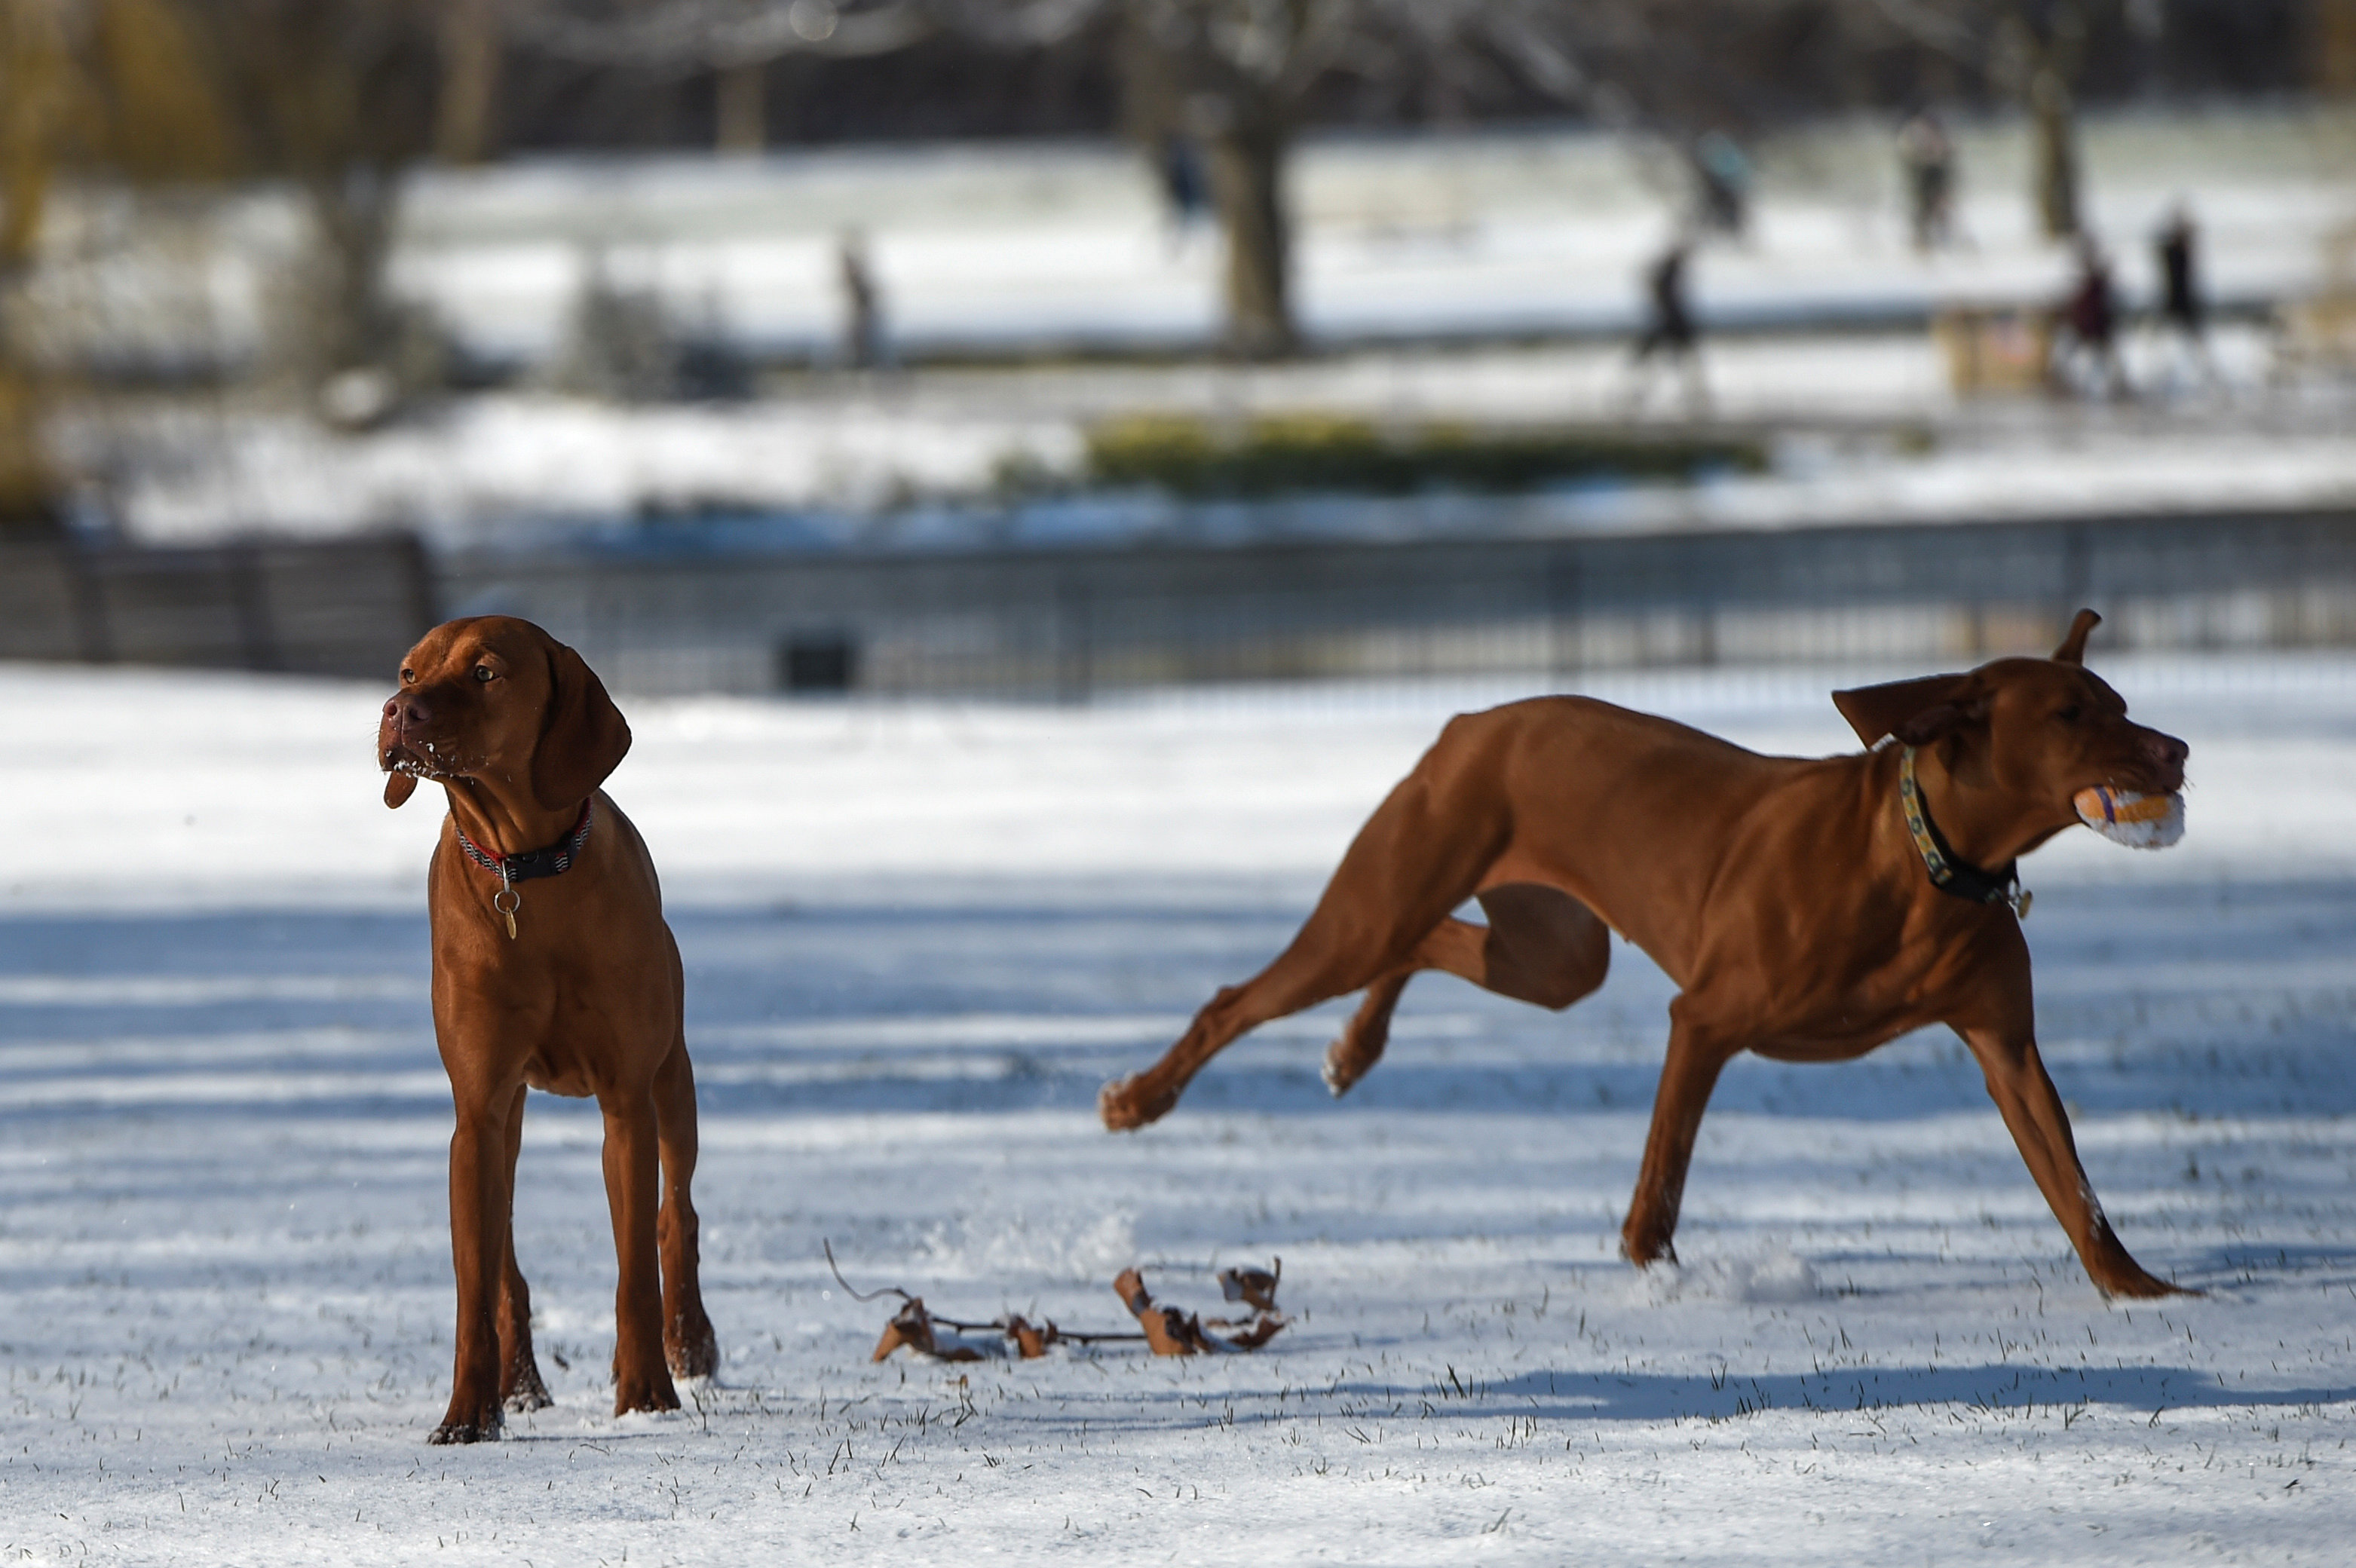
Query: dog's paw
x=695 y=1353
x=1125 y=1110
x=648 y=1395
x=473 y=1418
x=451 y=1432
x=523 y=1391
x=1646 y=1251
x=2138 y=1286
x=1343 y=1068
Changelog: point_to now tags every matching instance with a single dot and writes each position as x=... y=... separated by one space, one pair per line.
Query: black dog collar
x=553 y=861
x=1950 y=872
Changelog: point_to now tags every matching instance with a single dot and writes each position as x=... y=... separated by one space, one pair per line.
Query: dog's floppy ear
x=2074 y=646
x=1913 y=711
x=582 y=737
x=399 y=787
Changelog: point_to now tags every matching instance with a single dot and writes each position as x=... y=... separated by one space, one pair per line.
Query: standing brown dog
x=552 y=969
x=1800 y=914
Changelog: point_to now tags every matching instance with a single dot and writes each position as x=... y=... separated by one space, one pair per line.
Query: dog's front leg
x=521 y=1388
x=641 y=1381
x=479 y=1206
x=1696 y=1057
x=2032 y=1110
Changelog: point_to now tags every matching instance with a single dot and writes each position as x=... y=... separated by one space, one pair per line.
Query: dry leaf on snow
x=1255 y=1287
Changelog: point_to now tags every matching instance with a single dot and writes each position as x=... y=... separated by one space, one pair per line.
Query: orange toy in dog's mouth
x=2137 y=821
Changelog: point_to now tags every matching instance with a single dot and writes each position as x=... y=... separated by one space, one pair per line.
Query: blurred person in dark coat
x=1185 y=188
x=1927 y=158
x=2086 y=348
x=1669 y=330
x=2183 y=313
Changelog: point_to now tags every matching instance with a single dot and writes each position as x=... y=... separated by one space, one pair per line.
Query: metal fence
x=1065 y=623
x=345 y=607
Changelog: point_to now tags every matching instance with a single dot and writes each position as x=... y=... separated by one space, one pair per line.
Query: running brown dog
x=1789 y=900
x=552 y=969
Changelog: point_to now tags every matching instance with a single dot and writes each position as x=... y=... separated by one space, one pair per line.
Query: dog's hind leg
x=521 y=1388
x=633 y=1189
x=1419 y=855
x=1541 y=945
x=689 y=1347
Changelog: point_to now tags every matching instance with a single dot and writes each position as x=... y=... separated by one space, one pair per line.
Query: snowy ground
x=917 y=938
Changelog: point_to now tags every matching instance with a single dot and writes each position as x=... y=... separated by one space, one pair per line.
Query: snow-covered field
x=917 y=938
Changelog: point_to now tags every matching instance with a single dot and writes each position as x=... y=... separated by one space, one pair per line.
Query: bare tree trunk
x=742 y=93
x=34 y=66
x=1247 y=163
x=352 y=326
x=27 y=487
x=465 y=112
x=2333 y=46
x=1176 y=83
x=2054 y=126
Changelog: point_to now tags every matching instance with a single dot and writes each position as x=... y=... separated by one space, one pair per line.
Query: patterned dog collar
x=1950 y=872
x=553 y=861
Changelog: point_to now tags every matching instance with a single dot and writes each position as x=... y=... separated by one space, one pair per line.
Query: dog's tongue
x=2137 y=821
x=399 y=787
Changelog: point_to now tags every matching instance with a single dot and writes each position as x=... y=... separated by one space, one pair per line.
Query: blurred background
x=1045 y=349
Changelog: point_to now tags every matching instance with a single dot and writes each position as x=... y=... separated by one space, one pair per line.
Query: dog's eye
x=484 y=672
x=409 y=675
x=2069 y=715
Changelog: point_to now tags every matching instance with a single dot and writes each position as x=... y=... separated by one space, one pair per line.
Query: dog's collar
x=553 y=861
x=1950 y=872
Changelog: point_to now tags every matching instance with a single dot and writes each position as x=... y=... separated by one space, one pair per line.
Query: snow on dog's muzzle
x=2137 y=821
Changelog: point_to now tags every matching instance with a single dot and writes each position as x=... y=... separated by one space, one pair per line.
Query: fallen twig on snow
x=1167 y=1331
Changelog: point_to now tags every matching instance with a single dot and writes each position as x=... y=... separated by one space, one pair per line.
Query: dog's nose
x=2167 y=753
x=405 y=710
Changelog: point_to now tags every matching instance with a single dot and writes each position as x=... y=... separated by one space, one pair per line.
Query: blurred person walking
x=1926 y=157
x=2087 y=349
x=1721 y=185
x=1669 y=332
x=2183 y=313
x=864 y=344
x=1185 y=188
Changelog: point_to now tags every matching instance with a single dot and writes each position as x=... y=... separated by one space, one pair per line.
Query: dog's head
x=2040 y=730
x=499 y=701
